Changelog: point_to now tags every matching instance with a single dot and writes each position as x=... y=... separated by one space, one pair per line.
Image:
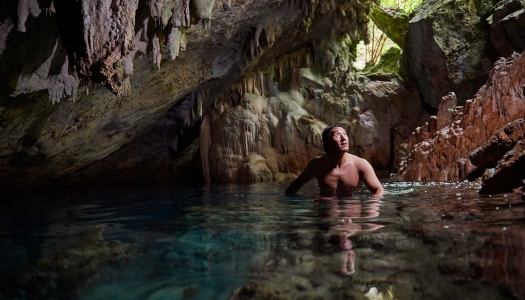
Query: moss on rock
x=392 y=22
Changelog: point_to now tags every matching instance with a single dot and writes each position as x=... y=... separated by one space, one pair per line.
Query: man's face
x=338 y=140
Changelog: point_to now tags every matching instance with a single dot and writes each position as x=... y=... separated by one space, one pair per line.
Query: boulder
x=507 y=31
x=447 y=49
x=502 y=159
x=388 y=63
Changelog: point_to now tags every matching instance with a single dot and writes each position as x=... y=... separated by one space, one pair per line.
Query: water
x=422 y=241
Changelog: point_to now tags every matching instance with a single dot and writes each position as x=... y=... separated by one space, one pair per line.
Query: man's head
x=334 y=137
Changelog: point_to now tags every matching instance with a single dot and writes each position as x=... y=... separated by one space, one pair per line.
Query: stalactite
x=5 y=30
x=139 y=47
x=27 y=8
x=62 y=84
x=174 y=42
x=181 y=13
x=203 y=10
x=226 y=4
x=157 y=56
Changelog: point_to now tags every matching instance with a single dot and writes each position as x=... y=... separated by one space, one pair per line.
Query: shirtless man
x=338 y=173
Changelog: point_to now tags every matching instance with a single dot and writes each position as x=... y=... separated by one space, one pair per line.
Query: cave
x=196 y=104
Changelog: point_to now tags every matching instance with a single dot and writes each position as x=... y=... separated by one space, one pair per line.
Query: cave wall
x=222 y=91
x=86 y=83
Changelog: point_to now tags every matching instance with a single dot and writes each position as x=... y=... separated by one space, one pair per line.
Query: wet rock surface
x=262 y=132
x=270 y=83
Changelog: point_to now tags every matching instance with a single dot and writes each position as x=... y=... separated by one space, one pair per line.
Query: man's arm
x=307 y=175
x=369 y=177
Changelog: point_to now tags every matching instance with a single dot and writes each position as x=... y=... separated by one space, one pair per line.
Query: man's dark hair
x=326 y=135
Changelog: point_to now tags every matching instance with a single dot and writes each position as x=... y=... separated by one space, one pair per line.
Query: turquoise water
x=422 y=241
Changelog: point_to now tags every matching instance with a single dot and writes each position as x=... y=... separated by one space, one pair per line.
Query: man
x=338 y=173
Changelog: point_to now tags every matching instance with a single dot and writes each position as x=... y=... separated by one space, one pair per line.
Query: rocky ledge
x=502 y=158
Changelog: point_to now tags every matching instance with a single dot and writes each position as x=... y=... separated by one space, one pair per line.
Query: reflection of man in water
x=344 y=211
x=338 y=213
x=338 y=173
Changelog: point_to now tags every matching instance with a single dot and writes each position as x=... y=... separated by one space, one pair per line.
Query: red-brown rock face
x=444 y=155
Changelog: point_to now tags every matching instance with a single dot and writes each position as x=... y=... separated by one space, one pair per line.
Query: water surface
x=422 y=241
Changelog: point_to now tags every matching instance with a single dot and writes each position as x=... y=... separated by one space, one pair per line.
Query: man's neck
x=337 y=158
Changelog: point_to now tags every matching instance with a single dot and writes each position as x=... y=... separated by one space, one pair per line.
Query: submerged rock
x=61 y=275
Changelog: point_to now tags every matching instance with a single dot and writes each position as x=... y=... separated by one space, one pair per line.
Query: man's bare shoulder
x=359 y=162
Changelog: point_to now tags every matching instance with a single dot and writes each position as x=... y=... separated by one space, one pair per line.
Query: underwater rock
x=447 y=49
x=60 y=275
x=444 y=156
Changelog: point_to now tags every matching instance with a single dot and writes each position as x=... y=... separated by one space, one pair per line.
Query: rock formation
x=443 y=154
x=259 y=133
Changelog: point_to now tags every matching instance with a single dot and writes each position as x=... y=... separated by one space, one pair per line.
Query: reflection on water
x=431 y=240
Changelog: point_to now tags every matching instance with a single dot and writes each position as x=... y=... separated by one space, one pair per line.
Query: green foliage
x=405 y=5
x=388 y=63
x=390 y=19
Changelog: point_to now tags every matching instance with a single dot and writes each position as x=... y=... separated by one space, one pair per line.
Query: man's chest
x=348 y=176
